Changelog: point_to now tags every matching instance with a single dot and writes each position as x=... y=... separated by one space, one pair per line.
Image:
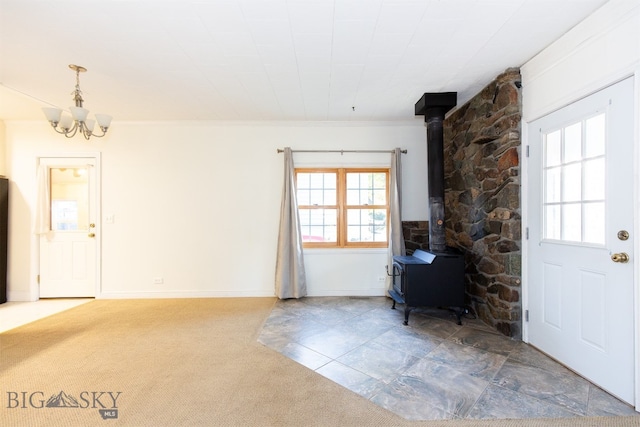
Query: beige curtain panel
x=291 y=281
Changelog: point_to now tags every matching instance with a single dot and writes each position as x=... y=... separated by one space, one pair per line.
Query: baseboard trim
x=183 y=294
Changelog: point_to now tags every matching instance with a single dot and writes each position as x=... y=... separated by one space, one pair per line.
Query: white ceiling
x=265 y=59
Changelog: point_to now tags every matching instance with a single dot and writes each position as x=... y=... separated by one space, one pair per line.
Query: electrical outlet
x=158 y=280
x=381 y=278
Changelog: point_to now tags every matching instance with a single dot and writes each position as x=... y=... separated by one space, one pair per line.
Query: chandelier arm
x=54 y=125
x=70 y=133
x=104 y=132
x=86 y=132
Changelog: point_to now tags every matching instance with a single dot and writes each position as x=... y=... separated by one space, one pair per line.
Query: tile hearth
x=432 y=368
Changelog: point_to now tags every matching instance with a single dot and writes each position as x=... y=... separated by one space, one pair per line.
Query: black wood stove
x=429 y=279
x=434 y=278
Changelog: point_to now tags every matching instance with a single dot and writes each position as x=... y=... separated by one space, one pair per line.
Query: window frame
x=561 y=165
x=342 y=208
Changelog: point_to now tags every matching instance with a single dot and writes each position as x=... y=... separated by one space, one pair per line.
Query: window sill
x=344 y=251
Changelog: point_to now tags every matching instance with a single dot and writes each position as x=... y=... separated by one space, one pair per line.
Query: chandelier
x=77 y=122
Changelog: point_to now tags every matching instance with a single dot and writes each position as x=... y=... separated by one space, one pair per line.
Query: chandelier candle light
x=69 y=126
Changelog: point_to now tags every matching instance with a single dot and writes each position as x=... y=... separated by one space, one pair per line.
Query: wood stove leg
x=459 y=311
x=407 y=310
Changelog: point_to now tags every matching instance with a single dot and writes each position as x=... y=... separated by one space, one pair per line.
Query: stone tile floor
x=432 y=368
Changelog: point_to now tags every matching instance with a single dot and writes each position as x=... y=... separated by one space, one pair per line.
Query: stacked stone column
x=482 y=201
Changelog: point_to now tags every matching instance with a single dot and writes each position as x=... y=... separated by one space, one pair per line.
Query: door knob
x=623 y=235
x=92 y=234
x=620 y=257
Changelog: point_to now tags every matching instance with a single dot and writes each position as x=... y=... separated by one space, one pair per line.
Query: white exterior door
x=581 y=231
x=69 y=264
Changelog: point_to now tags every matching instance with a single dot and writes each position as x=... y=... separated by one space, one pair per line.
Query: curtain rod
x=280 y=150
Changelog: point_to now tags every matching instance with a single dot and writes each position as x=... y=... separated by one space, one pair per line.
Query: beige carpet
x=181 y=362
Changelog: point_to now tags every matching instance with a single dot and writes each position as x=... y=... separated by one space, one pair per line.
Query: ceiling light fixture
x=77 y=122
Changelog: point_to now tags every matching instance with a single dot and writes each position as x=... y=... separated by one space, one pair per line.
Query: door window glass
x=69 y=199
x=574 y=181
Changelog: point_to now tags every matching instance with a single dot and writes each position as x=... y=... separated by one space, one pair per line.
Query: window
x=343 y=207
x=69 y=199
x=574 y=184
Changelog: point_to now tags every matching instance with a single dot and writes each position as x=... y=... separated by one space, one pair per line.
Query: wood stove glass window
x=343 y=207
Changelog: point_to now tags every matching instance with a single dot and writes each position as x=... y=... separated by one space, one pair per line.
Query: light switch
x=109 y=219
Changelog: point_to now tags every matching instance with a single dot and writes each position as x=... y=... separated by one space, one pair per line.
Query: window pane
x=330 y=197
x=330 y=180
x=316 y=180
x=573 y=143
x=572 y=183
x=357 y=186
x=316 y=189
x=353 y=197
x=594 y=222
x=69 y=199
x=553 y=146
x=353 y=180
x=594 y=179
x=318 y=225
x=316 y=197
x=367 y=225
x=378 y=225
x=302 y=188
x=595 y=136
x=303 y=180
x=572 y=222
x=552 y=222
x=379 y=196
x=552 y=185
x=302 y=197
x=64 y=215
x=367 y=188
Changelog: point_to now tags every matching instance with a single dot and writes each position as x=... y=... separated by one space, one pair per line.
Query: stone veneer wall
x=416 y=235
x=482 y=201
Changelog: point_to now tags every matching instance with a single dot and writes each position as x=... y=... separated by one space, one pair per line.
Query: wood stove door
x=581 y=196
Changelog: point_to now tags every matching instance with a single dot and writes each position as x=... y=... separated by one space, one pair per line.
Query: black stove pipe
x=434 y=106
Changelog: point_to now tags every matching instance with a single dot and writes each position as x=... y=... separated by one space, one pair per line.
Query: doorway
x=69 y=241
x=581 y=238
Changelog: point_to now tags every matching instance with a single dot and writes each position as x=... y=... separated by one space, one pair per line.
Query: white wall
x=198 y=204
x=600 y=51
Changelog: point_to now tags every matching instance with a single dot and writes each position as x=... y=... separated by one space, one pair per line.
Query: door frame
x=35 y=290
x=525 y=128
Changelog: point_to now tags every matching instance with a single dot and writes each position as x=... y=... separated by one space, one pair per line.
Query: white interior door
x=69 y=250
x=581 y=215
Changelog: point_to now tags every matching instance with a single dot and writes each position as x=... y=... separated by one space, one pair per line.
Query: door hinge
x=526 y=315
x=38 y=279
x=526 y=233
x=527 y=151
